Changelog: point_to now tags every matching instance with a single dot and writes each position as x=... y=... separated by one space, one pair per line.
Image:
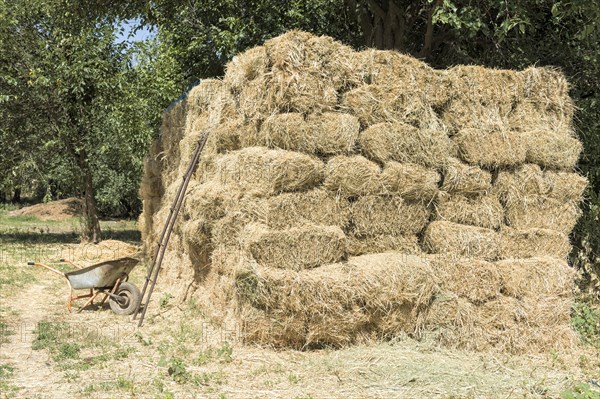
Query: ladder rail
x=154 y=269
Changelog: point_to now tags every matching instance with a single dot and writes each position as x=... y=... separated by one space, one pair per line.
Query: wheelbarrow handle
x=46 y=266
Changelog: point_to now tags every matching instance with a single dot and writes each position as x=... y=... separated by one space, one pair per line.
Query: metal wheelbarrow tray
x=108 y=278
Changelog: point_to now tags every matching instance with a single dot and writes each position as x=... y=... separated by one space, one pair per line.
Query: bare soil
x=56 y=210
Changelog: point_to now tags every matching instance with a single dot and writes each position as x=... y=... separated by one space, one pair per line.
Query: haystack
x=455 y=189
x=405 y=143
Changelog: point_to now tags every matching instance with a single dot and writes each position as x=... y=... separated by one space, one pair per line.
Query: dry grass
x=335 y=304
x=410 y=181
x=461 y=178
x=379 y=243
x=541 y=212
x=533 y=243
x=449 y=238
x=269 y=171
x=491 y=149
x=536 y=276
x=295 y=248
x=553 y=150
x=485 y=211
x=405 y=143
x=373 y=104
x=335 y=133
x=388 y=215
x=351 y=176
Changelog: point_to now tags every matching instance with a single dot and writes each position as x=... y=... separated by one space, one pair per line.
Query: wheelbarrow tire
x=131 y=297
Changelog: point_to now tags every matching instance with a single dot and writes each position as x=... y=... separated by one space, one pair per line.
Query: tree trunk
x=16 y=198
x=91 y=225
x=383 y=23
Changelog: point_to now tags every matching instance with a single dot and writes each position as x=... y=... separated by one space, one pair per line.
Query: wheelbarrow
x=108 y=278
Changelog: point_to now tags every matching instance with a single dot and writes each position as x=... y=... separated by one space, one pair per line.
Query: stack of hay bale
x=350 y=195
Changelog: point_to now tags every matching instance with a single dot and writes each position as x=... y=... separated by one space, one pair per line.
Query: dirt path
x=33 y=372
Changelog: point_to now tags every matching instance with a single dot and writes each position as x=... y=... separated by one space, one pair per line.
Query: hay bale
x=296 y=248
x=410 y=181
x=461 y=178
x=538 y=211
x=231 y=135
x=531 y=325
x=245 y=67
x=485 y=211
x=201 y=95
x=269 y=171
x=305 y=75
x=529 y=115
x=536 y=276
x=209 y=201
x=373 y=214
x=494 y=88
x=476 y=280
x=373 y=104
x=288 y=131
x=384 y=67
x=552 y=149
x=462 y=113
x=314 y=206
x=533 y=243
x=335 y=133
x=378 y=243
x=529 y=179
x=405 y=143
x=491 y=149
x=351 y=176
x=449 y=238
x=547 y=90
x=338 y=301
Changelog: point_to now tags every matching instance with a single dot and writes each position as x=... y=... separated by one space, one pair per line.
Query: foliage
x=580 y=391
x=586 y=321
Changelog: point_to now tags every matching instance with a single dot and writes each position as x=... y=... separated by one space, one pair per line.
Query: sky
x=128 y=35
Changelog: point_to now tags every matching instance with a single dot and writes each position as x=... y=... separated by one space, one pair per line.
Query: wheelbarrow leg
x=90 y=301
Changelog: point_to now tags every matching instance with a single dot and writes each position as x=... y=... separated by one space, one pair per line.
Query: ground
x=46 y=352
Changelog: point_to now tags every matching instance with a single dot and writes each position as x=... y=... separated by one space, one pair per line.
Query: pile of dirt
x=55 y=210
x=347 y=195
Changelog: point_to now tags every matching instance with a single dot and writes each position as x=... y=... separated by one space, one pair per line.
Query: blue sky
x=128 y=35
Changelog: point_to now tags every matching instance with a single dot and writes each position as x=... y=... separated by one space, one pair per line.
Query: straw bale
x=288 y=131
x=353 y=176
x=538 y=211
x=405 y=143
x=529 y=115
x=374 y=104
x=201 y=95
x=532 y=325
x=314 y=206
x=548 y=89
x=388 y=215
x=488 y=87
x=476 y=280
x=536 y=276
x=449 y=238
x=209 y=201
x=378 y=243
x=245 y=67
x=269 y=171
x=196 y=235
x=231 y=135
x=335 y=133
x=392 y=68
x=410 y=181
x=295 y=248
x=461 y=113
x=552 y=149
x=465 y=179
x=533 y=243
x=491 y=149
x=485 y=211
x=340 y=301
x=530 y=179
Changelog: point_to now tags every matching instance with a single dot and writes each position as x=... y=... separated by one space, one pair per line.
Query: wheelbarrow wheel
x=129 y=298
